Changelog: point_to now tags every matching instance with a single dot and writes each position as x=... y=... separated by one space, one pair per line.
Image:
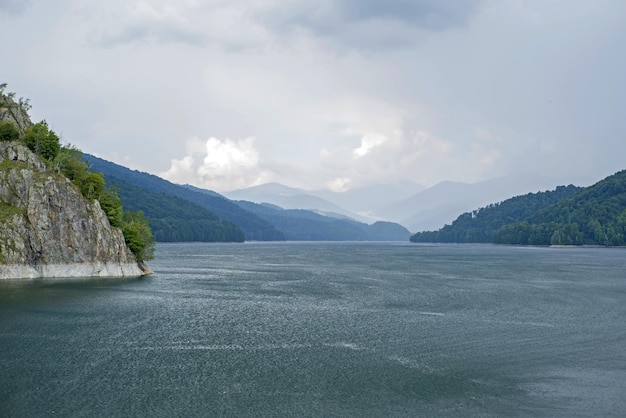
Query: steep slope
x=48 y=229
x=480 y=225
x=304 y=225
x=596 y=215
x=173 y=219
x=254 y=227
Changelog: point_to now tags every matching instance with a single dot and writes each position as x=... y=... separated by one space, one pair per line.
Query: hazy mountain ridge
x=171 y=220
x=415 y=207
x=439 y=205
x=306 y=225
x=290 y=198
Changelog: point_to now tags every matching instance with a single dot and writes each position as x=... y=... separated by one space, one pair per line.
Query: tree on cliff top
x=14 y=111
x=40 y=139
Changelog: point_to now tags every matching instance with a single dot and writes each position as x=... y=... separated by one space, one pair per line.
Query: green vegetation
x=42 y=140
x=305 y=225
x=138 y=235
x=595 y=215
x=184 y=213
x=92 y=185
x=15 y=111
x=191 y=214
x=8 y=211
x=480 y=225
x=173 y=219
x=8 y=131
x=67 y=160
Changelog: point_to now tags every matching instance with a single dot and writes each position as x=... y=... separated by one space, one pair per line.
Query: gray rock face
x=48 y=229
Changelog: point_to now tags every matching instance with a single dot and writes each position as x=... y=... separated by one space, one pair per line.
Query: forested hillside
x=305 y=225
x=173 y=219
x=594 y=215
x=480 y=225
x=255 y=228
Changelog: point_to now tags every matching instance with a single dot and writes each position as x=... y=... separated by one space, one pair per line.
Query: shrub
x=8 y=131
x=42 y=141
x=138 y=235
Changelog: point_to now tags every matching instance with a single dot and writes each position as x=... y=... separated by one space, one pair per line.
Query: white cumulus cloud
x=368 y=142
x=219 y=164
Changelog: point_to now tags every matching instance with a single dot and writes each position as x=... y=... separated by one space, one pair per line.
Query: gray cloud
x=368 y=24
x=14 y=7
x=150 y=33
x=334 y=93
x=426 y=14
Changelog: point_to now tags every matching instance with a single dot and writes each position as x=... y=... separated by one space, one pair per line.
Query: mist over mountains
x=187 y=213
x=411 y=205
x=449 y=210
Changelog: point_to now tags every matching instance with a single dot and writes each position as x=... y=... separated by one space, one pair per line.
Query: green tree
x=111 y=204
x=92 y=185
x=138 y=235
x=42 y=141
x=8 y=131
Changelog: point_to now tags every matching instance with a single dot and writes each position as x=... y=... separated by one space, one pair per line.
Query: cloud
x=218 y=164
x=114 y=22
x=427 y=14
x=365 y=24
x=242 y=24
x=339 y=92
x=368 y=143
x=322 y=16
x=14 y=7
x=420 y=156
x=229 y=25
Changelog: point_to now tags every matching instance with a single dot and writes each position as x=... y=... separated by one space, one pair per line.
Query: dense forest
x=254 y=228
x=173 y=219
x=186 y=213
x=480 y=225
x=594 y=215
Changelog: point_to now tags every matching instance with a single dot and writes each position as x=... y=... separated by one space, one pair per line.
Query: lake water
x=324 y=329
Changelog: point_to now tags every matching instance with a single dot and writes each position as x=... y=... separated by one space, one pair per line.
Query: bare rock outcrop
x=48 y=229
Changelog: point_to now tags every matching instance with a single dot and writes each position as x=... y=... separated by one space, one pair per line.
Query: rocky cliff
x=48 y=229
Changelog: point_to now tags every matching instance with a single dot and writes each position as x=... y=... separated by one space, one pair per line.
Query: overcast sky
x=334 y=94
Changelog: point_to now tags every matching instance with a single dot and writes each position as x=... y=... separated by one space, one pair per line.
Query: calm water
x=324 y=329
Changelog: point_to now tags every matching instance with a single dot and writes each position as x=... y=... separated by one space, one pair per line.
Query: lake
x=324 y=329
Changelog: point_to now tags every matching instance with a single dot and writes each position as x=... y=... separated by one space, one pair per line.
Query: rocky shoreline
x=8 y=272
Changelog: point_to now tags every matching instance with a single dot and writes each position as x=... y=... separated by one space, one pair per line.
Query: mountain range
x=187 y=213
x=411 y=205
x=488 y=212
